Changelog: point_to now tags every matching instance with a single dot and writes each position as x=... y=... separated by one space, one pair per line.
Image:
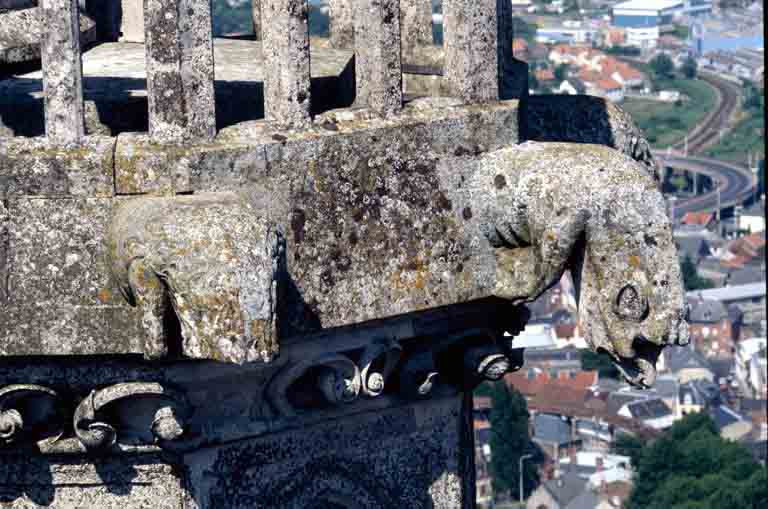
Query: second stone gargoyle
x=549 y=207
x=208 y=259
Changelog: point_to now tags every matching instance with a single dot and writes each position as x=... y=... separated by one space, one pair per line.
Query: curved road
x=736 y=182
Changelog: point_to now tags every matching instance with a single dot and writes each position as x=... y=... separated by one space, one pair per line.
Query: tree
x=662 y=67
x=691 y=466
x=600 y=362
x=561 y=72
x=689 y=68
x=691 y=278
x=510 y=440
x=629 y=445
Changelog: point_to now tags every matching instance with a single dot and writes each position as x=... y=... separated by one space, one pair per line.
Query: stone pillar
x=62 y=72
x=470 y=42
x=132 y=21
x=286 y=62
x=377 y=56
x=256 y=16
x=179 y=46
x=342 y=23
x=415 y=24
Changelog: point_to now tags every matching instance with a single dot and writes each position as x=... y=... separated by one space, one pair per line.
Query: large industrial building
x=642 y=18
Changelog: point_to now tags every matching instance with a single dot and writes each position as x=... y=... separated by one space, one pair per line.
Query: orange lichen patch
x=104 y=295
x=634 y=261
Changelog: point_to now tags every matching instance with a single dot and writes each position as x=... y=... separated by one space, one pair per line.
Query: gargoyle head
x=632 y=301
x=595 y=211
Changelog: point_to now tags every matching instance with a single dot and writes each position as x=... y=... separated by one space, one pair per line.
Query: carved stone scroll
x=23 y=418
x=419 y=376
x=97 y=434
x=376 y=364
x=338 y=380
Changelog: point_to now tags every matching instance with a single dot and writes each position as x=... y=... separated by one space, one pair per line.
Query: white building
x=642 y=18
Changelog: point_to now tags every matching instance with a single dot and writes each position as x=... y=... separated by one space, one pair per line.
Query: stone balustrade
x=180 y=60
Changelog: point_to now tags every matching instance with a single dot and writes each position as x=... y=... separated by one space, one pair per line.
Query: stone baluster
x=415 y=24
x=341 y=17
x=377 y=56
x=180 y=74
x=471 y=45
x=285 y=46
x=256 y=17
x=62 y=72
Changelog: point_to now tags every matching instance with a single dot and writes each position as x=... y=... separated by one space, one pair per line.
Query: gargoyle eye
x=630 y=305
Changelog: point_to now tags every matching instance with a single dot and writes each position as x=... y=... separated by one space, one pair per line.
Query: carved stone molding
x=97 y=434
x=25 y=417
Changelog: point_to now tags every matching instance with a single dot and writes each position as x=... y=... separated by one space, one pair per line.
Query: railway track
x=707 y=133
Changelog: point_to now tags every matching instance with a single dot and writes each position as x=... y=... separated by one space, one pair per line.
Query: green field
x=747 y=136
x=665 y=124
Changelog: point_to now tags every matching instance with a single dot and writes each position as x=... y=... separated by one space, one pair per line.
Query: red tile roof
x=699 y=218
x=608 y=84
x=532 y=381
x=544 y=75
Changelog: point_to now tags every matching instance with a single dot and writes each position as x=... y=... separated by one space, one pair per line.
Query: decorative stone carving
x=419 y=376
x=96 y=434
x=336 y=377
x=376 y=364
x=24 y=417
x=210 y=261
x=594 y=211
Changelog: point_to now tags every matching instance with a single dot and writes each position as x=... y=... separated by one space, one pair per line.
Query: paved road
x=736 y=182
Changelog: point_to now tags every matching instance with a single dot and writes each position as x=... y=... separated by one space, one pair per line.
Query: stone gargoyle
x=208 y=260
x=542 y=208
x=596 y=212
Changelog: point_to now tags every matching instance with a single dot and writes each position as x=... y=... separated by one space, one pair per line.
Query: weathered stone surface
x=287 y=94
x=213 y=259
x=377 y=56
x=32 y=167
x=256 y=17
x=58 y=251
x=62 y=72
x=415 y=25
x=592 y=210
x=585 y=119
x=112 y=483
x=341 y=17
x=407 y=456
x=11 y=5
x=471 y=49
x=131 y=21
x=180 y=73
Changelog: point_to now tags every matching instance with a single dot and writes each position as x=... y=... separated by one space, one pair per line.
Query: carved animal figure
x=208 y=260
x=595 y=211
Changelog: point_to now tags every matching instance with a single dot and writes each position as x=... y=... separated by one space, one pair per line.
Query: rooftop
x=732 y=293
x=648 y=4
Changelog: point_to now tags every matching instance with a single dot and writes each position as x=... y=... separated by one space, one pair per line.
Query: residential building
x=740 y=294
x=750 y=366
x=560 y=493
x=752 y=219
x=653 y=412
x=687 y=364
x=553 y=434
x=710 y=327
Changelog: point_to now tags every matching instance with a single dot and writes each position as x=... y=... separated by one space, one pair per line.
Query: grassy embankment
x=665 y=124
